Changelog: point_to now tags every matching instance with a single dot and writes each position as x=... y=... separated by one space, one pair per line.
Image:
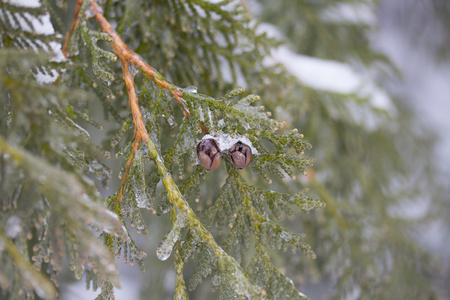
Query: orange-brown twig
x=122 y=51
x=140 y=132
x=133 y=150
x=125 y=54
x=69 y=33
x=75 y=20
x=126 y=57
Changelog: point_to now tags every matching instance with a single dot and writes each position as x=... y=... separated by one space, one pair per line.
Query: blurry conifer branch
x=149 y=96
x=50 y=165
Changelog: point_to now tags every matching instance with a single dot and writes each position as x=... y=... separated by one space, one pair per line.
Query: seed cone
x=208 y=153
x=240 y=155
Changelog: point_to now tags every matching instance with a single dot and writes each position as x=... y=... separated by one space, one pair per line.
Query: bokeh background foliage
x=67 y=133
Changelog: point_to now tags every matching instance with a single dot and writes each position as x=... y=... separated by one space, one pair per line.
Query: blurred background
x=415 y=35
x=374 y=102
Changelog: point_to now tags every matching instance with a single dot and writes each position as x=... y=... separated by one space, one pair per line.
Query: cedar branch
x=123 y=51
x=127 y=55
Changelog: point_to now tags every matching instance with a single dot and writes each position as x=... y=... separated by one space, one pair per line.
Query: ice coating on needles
x=166 y=246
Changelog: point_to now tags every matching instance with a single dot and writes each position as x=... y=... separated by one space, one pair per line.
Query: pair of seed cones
x=209 y=154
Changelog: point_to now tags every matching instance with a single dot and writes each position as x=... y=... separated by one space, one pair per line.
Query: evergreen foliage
x=52 y=170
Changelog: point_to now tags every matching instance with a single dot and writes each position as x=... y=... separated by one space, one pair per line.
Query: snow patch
x=356 y=13
x=26 y=3
x=225 y=141
x=324 y=74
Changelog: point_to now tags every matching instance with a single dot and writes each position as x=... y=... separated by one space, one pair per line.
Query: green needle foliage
x=226 y=226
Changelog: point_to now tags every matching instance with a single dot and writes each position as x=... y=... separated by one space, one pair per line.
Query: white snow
x=225 y=141
x=355 y=13
x=40 y=25
x=330 y=76
x=27 y=3
x=318 y=73
x=13 y=227
x=130 y=280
